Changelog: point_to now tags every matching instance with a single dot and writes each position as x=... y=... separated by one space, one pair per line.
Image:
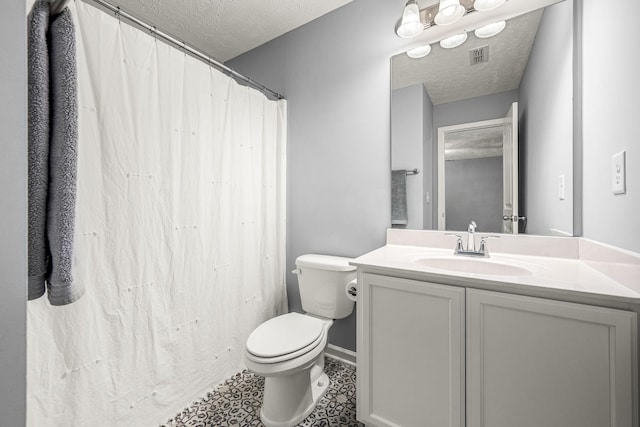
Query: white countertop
x=602 y=274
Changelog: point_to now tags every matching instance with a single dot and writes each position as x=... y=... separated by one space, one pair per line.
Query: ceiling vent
x=479 y=55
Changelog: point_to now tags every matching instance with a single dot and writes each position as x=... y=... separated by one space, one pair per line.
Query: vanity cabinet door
x=533 y=362
x=410 y=353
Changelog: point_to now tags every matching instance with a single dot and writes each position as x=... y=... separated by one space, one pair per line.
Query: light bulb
x=419 y=52
x=450 y=11
x=410 y=26
x=484 y=5
x=453 y=41
x=490 y=30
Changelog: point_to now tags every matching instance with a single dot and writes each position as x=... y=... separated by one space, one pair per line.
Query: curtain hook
x=117 y=13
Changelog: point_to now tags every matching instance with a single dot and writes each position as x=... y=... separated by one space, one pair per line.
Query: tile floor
x=237 y=401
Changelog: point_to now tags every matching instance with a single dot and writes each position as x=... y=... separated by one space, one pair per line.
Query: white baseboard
x=342 y=354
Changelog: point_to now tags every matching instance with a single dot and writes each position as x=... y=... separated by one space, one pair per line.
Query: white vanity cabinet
x=443 y=355
x=534 y=362
x=410 y=353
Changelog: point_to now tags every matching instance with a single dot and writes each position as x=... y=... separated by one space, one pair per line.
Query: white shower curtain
x=180 y=234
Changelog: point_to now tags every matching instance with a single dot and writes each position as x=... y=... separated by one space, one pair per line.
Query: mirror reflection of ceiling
x=448 y=75
x=474 y=143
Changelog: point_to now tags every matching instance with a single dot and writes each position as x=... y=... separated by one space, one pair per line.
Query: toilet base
x=290 y=399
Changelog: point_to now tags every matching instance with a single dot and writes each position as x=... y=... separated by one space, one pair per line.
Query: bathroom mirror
x=528 y=65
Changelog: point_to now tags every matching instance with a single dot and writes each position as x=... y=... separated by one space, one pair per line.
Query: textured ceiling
x=474 y=143
x=225 y=29
x=448 y=76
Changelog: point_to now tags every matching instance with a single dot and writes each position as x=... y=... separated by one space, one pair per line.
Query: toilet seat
x=285 y=337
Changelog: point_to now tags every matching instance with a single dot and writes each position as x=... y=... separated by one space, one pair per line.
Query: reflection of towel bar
x=413 y=172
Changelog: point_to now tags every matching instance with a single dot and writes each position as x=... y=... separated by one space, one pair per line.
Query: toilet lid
x=284 y=334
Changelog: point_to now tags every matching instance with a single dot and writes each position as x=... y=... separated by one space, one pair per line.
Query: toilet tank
x=322 y=280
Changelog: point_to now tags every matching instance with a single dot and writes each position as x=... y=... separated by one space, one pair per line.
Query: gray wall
x=474 y=193
x=610 y=121
x=408 y=115
x=335 y=73
x=13 y=227
x=546 y=100
x=486 y=107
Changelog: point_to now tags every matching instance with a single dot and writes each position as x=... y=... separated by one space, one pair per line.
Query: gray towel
x=62 y=160
x=399 y=197
x=38 y=146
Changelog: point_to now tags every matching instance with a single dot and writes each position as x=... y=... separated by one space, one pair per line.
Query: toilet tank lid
x=325 y=262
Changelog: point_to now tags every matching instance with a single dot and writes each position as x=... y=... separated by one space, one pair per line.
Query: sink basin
x=474 y=266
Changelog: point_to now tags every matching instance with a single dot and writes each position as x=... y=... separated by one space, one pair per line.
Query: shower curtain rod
x=181 y=45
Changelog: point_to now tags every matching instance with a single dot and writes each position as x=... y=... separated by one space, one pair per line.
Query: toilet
x=288 y=350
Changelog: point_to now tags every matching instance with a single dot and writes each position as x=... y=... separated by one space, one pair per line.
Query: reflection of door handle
x=513 y=218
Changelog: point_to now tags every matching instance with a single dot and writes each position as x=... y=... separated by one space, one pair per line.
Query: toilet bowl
x=294 y=377
x=288 y=350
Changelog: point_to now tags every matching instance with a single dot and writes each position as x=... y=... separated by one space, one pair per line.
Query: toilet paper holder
x=352 y=290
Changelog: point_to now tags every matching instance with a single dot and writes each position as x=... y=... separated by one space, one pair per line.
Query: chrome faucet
x=471 y=238
x=483 y=250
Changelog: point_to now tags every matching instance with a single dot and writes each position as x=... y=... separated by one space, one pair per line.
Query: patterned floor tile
x=237 y=402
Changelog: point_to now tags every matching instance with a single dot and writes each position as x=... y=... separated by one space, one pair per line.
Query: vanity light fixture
x=419 y=52
x=490 y=30
x=450 y=11
x=453 y=41
x=445 y=12
x=411 y=25
x=484 y=5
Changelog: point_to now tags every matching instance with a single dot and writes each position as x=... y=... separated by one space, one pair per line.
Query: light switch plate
x=618 y=173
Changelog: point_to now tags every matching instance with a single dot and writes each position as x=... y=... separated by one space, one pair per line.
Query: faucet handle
x=483 y=243
x=459 y=247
